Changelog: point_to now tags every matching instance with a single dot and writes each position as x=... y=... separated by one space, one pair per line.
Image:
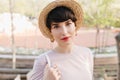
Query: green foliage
x=24 y=7
x=100 y=12
x=96 y=12
x=4 y=6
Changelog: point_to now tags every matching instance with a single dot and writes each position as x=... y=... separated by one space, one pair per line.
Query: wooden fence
x=105 y=66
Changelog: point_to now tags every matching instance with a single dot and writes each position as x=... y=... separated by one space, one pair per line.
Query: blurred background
x=21 y=40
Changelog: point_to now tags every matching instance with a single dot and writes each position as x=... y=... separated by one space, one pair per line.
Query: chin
x=67 y=43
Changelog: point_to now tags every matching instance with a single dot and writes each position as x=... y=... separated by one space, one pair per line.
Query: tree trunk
x=12 y=35
x=118 y=49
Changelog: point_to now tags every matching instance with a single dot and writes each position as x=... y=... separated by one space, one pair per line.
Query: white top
x=77 y=65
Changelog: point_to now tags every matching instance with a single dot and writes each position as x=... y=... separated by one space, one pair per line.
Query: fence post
x=118 y=50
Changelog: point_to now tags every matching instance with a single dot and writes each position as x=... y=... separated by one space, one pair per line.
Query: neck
x=64 y=49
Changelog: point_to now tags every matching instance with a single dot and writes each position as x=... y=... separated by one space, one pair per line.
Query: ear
x=76 y=32
x=52 y=39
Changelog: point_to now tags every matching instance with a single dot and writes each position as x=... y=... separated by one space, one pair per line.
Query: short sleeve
x=38 y=68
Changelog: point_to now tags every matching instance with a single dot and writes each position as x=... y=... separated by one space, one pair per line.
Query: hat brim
x=73 y=5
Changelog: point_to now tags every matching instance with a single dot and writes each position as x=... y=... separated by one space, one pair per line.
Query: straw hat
x=72 y=4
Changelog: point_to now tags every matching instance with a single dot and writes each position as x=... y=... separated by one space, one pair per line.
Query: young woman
x=59 y=22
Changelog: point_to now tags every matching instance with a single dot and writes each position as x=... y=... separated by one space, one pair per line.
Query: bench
x=10 y=74
x=106 y=67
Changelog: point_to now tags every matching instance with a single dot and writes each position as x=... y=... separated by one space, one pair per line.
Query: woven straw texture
x=73 y=5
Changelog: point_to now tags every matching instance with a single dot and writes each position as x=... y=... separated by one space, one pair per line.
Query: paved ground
x=36 y=40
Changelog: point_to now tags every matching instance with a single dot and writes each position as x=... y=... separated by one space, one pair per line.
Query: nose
x=64 y=30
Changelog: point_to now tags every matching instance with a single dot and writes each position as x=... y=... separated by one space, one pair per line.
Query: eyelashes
x=67 y=24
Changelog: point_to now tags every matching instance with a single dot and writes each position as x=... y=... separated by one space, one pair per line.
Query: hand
x=52 y=73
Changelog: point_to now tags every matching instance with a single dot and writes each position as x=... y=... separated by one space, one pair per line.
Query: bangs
x=60 y=14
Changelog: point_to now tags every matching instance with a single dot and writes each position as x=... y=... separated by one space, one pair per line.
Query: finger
x=55 y=66
x=56 y=73
x=58 y=77
x=59 y=72
x=47 y=66
x=56 y=69
x=51 y=69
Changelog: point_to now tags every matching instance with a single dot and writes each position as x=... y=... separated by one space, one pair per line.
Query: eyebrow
x=54 y=24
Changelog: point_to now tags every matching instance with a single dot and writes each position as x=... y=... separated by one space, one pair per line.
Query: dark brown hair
x=59 y=14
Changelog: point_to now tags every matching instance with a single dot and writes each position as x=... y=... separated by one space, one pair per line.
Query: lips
x=65 y=38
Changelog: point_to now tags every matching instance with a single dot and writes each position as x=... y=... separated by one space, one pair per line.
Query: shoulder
x=38 y=67
x=41 y=59
x=86 y=53
x=84 y=50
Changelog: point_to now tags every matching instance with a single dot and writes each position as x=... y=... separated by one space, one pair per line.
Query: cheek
x=54 y=33
x=72 y=30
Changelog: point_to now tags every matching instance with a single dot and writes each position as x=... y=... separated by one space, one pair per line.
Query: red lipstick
x=65 y=38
